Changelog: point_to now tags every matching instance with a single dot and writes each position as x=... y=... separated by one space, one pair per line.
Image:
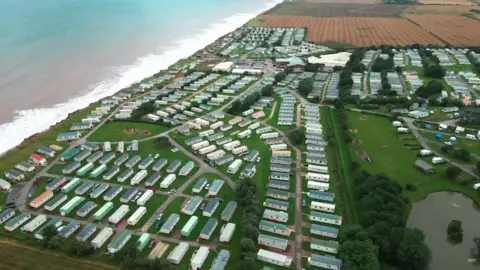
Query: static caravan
x=325 y=231
x=324 y=245
x=234 y=167
x=102 y=237
x=168 y=180
x=224 y=160
x=269 y=135
x=326 y=262
x=325 y=218
x=137 y=215
x=235 y=120
x=122 y=159
x=139 y=176
x=263 y=130
x=6 y=214
x=189 y=226
x=271 y=141
x=216 y=125
x=107 y=147
x=145 y=163
x=280 y=176
x=274 y=215
x=103 y=211
x=208 y=229
x=321 y=196
x=145 y=197
x=129 y=195
x=86 y=209
x=199 y=185
x=281 y=153
x=248 y=112
x=317 y=169
x=199 y=258
x=244 y=134
x=216 y=155
x=226 y=127
x=280 y=168
x=231 y=145
x=215 y=187
x=125 y=175
x=56 y=183
x=56 y=202
x=150 y=182
x=240 y=150
x=273 y=227
x=245 y=123
x=174 y=165
x=111 y=173
x=227 y=233
x=95 y=156
x=187 y=168
x=254 y=126
x=223 y=141
x=70 y=168
x=207 y=149
x=274 y=258
x=193 y=141
x=192 y=205
x=320 y=177
x=200 y=145
x=321 y=206
x=176 y=256
x=276 y=204
x=170 y=224
x=278 y=194
x=41 y=199
x=119 y=214
x=158 y=166
x=112 y=192
x=133 y=161
x=17 y=221
x=70 y=205
x=281 y=160
x=99 y=190
x=120 y=147
x=69 y=229
x=215 y=136
x=229 y=210
x=272 y=241
x=34 y=224
x=211 y=207
x=318 y=185
x=206 y=133
x=87 y=231
x=276 y=147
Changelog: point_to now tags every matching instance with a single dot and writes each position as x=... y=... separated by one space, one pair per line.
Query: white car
x=156 y=156
x=174 y=150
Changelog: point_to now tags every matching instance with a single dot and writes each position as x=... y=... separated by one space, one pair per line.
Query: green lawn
x=378 y=139
x=117 y=131
x=472 y=146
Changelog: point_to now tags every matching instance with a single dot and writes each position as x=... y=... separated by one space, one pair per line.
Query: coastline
x=35 y=121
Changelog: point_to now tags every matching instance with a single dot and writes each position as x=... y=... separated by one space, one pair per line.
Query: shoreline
x=75 y=101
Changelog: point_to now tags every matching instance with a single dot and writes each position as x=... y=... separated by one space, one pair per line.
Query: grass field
x=379 y=141
x=473 y=146
x=117 y=131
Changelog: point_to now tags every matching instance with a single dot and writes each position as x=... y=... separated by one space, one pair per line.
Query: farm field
x=356 y=31
x=439 y=9
x=389 y=156
x=456 y=30
x=447 y=2
x=119 y=131
x=345 y=1
x=337 y=9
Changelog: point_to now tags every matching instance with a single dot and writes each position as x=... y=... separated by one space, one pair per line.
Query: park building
x=208 y=229
x=159 y=165
x=177 y=254
x=199 y=185
x=99 y=190
x=273 y=215
x=210 y=208
x=276 y=204
x=229 y=210
x=128 y=195
x=34 y=224
x=325 y=218
x=325 y=262
x=87 y=231
x=274 y=258
x=102 y=237
x=321 y=206
x=70 y=205
x=227 y=232
x=86 y=209
x=112 y=192
x=273 y=227
x=84 y=187
x=283 y=185
x=328 y=246
x=69 y=229
x=325 y=231
x=189 y=226
x=56 y=202
x=220 y=262
x=192 y=205
x=6 y=215
x=170 y=224
x=118 y=243
x=272 y=241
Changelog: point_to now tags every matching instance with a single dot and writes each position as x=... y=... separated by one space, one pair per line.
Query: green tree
x=452 y=172
x=297 y=137
x=161 y=142
x=359 y=255
x=412 y=252
x=455 y=231
x=305 y=86
x=248 y=245
x=267 y=91
x=280 y=76
x=81 y=248
x=247 y=263
x=48 y=234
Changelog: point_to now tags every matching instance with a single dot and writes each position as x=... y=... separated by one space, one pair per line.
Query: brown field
x=356 y=31
x=440 y=9
x=456 y=30
x=447 y=2
x=337 y=9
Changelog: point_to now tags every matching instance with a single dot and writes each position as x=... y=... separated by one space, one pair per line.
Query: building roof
x=423 y=165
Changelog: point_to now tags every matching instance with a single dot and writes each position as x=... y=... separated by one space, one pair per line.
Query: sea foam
x=32 y=121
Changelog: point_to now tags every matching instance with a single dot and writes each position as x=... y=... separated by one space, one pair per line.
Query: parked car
x=304 y=203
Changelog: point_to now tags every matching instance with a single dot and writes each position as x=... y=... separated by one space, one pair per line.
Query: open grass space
x=15 y=255
x=473 y=146
x=126 y=131
x=377 y=139
x=30 y=145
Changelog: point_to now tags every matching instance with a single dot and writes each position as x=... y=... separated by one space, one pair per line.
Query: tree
x=478 y=166
x=55 y=243
x=412 y=252
x=455 y=231
x=359 y=255
x=161 y=142
x=452 y=172
x=434 y=71
x=280 y=76
x=462 y=154
x=81 y=248
x=48 y=234
x=297 y=137
x=247 y=263
x=251 y=232
x=267 y=91
x=305 y=86
x=248 y=245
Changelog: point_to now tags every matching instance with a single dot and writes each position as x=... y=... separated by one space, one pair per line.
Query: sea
x=59 y=56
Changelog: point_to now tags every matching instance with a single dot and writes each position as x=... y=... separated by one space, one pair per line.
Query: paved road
x=423 y=141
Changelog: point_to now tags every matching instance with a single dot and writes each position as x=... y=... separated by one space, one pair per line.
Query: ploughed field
x=356 y=31
x=344 y=8
x=456 y=30
x=447 y=2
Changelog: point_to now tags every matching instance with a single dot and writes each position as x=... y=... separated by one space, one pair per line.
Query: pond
x=433 y=214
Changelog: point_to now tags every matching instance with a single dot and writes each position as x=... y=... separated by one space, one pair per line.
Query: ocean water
x=58 y=56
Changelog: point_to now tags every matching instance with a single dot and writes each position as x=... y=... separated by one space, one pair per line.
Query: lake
x=433 y=214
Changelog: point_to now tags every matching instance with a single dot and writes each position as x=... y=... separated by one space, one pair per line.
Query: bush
x=455 y=231
x=410 y=187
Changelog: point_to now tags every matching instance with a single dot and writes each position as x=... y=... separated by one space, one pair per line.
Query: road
x=423 y=141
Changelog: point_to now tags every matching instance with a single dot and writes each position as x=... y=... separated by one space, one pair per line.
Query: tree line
x=239 y=106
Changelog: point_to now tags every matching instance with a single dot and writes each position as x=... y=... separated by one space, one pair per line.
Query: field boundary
x=343 y=167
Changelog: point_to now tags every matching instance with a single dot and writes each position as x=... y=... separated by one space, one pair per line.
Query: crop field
x=356 y=31
x=346 y=1
x=456 y=30
x=439 y=9
x=447 y=2
x=337 y=9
